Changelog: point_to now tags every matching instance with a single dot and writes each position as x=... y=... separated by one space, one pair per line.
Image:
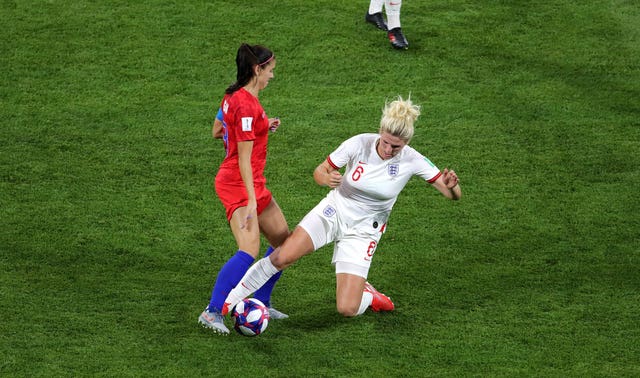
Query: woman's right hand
x=250 y=212
x=334 y=179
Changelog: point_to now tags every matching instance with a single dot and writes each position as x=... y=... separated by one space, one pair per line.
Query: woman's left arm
x=448 y=184
x=216 y=130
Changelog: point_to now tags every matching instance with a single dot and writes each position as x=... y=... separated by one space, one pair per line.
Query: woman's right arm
x=246 y=172
x=326 y=175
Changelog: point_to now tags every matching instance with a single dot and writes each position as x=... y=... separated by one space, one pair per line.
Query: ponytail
x=248 y=57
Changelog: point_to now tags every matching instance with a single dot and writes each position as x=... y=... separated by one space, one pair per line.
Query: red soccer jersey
x=243 y=120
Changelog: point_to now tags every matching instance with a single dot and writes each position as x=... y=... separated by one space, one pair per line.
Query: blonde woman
x=354 y=213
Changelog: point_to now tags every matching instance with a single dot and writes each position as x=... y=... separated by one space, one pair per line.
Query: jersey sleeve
x=425 y=168
x=244 y=123
x=220 y=115
x=344 y=153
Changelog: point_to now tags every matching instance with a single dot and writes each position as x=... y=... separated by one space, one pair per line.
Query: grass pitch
x=111 y=233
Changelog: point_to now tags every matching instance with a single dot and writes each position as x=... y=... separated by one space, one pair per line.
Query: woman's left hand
x=450 y=178
x=274 y=123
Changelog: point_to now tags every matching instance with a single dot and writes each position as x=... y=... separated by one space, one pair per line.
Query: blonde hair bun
x=398 y=117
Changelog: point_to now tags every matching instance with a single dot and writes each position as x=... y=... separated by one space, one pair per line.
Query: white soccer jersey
x=354 y=214
x=370 y=185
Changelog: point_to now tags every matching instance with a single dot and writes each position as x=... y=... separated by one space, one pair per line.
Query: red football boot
x=380 y=301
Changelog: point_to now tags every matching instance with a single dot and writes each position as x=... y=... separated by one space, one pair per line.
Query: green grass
x=111 y=234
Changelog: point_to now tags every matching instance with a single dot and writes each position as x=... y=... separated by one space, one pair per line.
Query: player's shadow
x=323 y=319
x=318 y=319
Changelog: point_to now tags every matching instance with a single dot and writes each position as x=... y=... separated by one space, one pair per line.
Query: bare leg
x=349 y=294
x=296 y=246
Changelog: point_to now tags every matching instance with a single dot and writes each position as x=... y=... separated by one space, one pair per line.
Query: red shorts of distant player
x=235 y=196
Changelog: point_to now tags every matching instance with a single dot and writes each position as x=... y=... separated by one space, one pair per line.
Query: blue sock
x=228 y=277
x=264 y=293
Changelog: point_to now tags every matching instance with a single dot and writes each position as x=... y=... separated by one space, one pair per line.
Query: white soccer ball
x=251 y=317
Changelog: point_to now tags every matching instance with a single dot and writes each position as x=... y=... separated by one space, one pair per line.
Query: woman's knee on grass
x=348 y=309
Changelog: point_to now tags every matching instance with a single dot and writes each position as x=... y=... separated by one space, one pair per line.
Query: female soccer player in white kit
x=354 y=213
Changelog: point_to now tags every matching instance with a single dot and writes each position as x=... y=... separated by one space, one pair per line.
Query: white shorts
x=354 y=245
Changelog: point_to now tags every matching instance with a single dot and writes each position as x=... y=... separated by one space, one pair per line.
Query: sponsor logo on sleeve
x=246 y=123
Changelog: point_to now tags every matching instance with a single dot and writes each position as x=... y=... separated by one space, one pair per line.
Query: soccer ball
x=251 y=317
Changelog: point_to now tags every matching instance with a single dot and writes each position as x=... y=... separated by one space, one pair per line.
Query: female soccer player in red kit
x=240 y=183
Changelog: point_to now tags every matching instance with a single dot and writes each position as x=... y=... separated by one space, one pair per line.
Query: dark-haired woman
x=240 y=182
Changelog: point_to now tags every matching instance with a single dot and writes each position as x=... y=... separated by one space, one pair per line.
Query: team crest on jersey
x=329 y=211
x=393 y=169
